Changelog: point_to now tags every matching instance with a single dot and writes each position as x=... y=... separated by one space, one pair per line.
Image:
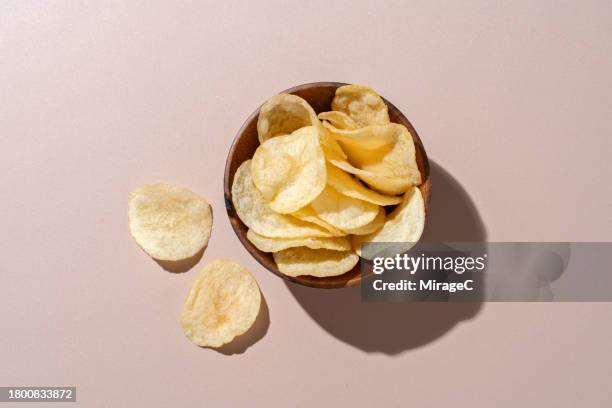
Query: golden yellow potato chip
x=282 y=114
x=395 y=169
x=315 y=262
x=404 y=225
x=342 y=164
x=390 y=169
x=362 y=104
x=170 y=223
x=223 y=303
x=345 y=184
x=256 y=214
x=373 y=226
x=341 y=211
x=331 y=148
x=308 y=214
x=381 y=183
x=339 y=120
x=289 y=170
x=365 y=138
x=266 y=244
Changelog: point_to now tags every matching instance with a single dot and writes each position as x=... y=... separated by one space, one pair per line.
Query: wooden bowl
x=319 y=95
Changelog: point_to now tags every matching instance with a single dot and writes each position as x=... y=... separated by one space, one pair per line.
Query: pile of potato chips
x=319 y=186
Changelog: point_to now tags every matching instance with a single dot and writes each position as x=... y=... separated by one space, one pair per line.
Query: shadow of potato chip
x=393 y=328
x=259 y=329
x=182 y=265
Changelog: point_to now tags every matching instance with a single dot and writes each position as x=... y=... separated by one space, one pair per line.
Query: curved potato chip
x=341 y=211
x=390 y=169
x=170 y=223
x=347 y=185
x=289 y=170
x=373 y=226
x=257 y=215
x=282 y=114
x=342 y=164
x=339 y=120
x=266 y=244
x=386 y=184
x=308 y=214
x=378 y=182
x=362 y=104
x=395 y=169
x=364 y=138
x=404 y=225
x=223 y=303
x=329 y=145
x=315 y=262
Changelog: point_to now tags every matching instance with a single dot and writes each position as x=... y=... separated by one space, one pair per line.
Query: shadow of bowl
x=392 y=328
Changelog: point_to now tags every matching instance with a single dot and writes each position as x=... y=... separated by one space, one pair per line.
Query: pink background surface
x=512 y=98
